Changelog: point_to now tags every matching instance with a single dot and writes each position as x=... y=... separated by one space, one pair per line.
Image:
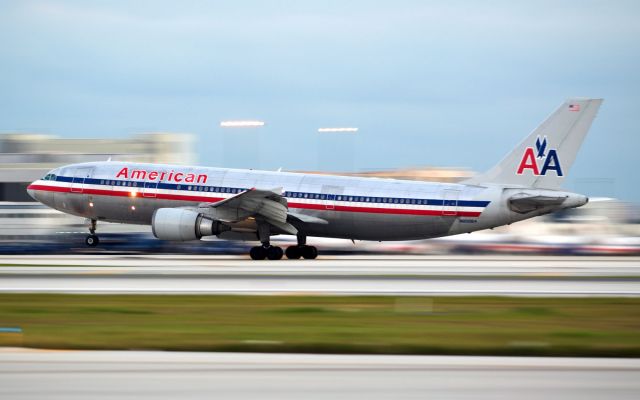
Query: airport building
x=26 y=157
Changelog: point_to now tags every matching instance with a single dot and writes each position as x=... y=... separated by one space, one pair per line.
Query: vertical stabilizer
x=544 y=158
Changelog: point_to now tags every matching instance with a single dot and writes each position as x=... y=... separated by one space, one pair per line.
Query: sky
x=442 y=83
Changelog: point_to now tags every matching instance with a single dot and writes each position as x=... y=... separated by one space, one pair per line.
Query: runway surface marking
x=538 y=276
x=26 y=374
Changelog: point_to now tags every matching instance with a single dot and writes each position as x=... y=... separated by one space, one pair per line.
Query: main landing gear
x=276 y=253
x=304 y=251
x=92 y=240
x=266 y=251
x=301 y=250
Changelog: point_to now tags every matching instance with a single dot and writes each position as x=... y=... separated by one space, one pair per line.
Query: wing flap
x=307 y=218
x=268 y=205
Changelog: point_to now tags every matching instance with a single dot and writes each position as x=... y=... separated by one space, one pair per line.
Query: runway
x=35 y=374
x=450 y=265
x=540 y=276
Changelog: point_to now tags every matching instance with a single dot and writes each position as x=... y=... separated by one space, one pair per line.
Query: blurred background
x=404 y=89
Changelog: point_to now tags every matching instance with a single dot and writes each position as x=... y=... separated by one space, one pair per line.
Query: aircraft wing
x=268 y=205
x=524 y=203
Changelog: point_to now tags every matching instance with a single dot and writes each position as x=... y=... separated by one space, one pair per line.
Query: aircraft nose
x=32 y=192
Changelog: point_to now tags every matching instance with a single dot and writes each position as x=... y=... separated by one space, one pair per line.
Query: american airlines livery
x=188 y=203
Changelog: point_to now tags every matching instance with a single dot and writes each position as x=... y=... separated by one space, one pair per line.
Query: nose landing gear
x=92 y=240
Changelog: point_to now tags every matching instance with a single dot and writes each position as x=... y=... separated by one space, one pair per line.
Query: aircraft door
x=450 y=202
x=79 y=176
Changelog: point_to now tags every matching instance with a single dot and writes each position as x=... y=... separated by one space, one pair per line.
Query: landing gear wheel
x=274 y=253
x=309 y=252
x=92 y=240
x=258 y=253
x=293 y=252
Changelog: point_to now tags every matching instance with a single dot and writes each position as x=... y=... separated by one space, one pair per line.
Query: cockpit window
x=49 y=177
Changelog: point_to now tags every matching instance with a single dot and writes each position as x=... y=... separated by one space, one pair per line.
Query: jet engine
x=182 y=224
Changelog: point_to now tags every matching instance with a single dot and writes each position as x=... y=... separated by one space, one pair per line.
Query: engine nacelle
x=180 y=224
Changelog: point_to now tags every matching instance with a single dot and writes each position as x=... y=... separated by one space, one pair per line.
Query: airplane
x=183 y=203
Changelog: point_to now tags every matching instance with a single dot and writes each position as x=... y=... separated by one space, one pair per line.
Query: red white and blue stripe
x=296 y=200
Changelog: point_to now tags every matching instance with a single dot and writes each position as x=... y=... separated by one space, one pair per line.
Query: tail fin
x=543 y=159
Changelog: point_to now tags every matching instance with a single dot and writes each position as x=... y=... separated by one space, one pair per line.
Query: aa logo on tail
x=532 y=158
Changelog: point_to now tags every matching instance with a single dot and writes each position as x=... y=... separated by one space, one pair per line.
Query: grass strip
x=594 y=327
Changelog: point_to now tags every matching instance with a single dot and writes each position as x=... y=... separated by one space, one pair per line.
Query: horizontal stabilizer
x=523 y=203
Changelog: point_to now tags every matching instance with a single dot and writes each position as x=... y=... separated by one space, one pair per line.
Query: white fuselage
x=353 y=208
